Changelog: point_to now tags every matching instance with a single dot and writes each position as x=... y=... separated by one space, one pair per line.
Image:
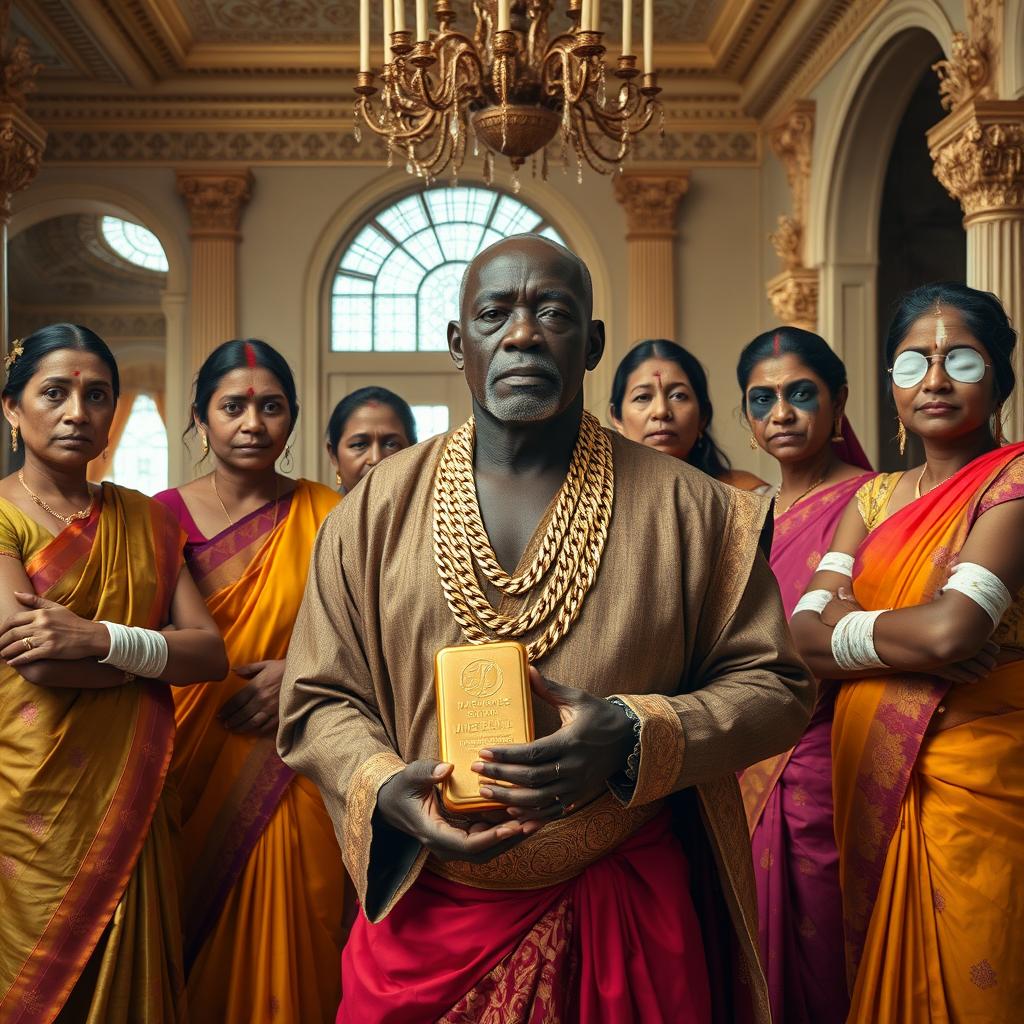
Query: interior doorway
x=921 y=238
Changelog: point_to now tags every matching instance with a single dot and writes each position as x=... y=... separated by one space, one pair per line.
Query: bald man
x=614 y=885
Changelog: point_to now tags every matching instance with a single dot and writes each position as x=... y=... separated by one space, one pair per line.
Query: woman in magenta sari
x=794 y=392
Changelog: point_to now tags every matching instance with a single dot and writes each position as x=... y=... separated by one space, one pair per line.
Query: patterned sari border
x=254 y=797
x=68 y=548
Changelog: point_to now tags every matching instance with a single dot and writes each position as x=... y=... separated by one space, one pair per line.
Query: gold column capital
x=215 y=200
x=794 y=297
x=978 y=155
x=651 y=201
x=21 y=140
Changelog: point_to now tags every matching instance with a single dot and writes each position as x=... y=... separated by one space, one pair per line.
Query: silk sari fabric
x=90 y=928
x=618 y=944
x=929 y=823
x=789 y=810
x=265 y=881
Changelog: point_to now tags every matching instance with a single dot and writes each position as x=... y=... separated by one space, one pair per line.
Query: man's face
x=525 y=338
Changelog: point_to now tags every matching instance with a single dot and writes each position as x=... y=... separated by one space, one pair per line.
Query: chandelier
x=509 y=89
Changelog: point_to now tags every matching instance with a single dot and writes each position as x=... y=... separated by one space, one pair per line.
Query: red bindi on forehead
x=250 y=392
x=76 y=373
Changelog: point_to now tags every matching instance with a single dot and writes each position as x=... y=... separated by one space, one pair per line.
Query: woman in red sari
x=89 y=927
x=660 y=399
x=928 y=731
x=264 y=878
x=794 y=393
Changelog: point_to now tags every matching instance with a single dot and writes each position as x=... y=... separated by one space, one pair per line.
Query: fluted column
x=215 y=201
x=21 y=143
x=978 y=152
x=651 y=202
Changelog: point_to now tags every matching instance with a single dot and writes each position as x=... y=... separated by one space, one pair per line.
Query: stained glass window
x=134 y=243
x=397 y=284
x=140 y=461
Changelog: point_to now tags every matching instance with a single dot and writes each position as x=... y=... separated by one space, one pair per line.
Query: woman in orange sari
x=928 y=732
x=660 y=399
x=264 y=877
x=89 y=928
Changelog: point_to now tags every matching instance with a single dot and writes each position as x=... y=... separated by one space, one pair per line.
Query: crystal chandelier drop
x=508 y=89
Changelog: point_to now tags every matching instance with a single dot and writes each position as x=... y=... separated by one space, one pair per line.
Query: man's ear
x=455 y=343
x=595 y=343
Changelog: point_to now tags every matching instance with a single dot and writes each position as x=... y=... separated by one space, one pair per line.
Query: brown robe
x=684 y=622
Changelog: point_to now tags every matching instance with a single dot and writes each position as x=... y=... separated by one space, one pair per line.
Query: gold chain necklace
x=223 y=507
x=799 y=497
x=66 y=520
x=568 y=555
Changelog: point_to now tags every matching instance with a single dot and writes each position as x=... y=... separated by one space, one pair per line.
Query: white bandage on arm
x=814 y=601
x=142 y=652
x=853 y=641
x=836 y=561
x=983 y=587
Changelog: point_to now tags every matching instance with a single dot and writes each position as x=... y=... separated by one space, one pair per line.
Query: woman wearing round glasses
x=919 y=610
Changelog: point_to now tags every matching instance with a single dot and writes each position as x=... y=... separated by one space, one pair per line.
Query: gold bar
x=483 y=700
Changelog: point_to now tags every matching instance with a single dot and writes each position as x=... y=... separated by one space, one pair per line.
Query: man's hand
x=555 y=775
x=254 y=708
x=409 y=802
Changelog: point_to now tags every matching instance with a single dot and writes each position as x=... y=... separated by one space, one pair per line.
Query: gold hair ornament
x=14 y=353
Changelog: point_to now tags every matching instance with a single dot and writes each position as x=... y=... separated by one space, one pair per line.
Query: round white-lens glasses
x=964 y=365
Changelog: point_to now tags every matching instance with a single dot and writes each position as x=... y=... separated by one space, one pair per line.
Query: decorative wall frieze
x=708 y=148
x=111 y=324
x=978 y=154
x=215 y=200
x=651 y=202
x=794 y=297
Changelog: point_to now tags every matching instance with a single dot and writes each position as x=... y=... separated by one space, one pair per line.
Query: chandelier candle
x=504 y=15
x=399 y=15
x=364 y=35
x=389 y=27
x=627 y=28
x=648 y=37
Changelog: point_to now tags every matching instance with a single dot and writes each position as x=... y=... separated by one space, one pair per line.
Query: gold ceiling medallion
x=509 y=89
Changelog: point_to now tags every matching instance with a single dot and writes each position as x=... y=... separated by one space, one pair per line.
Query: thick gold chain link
x=568 y=555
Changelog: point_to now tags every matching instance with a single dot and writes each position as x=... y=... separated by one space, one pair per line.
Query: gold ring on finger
x=27 y=641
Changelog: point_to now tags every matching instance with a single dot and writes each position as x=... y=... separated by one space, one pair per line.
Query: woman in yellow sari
x=263 y=906
x=928 y=733
x=89 y=926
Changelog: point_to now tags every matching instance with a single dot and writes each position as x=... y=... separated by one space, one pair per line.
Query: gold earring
x=14 y=438
x=205 y=444
x=337 y=477
x=901 y=436
x=998 y=432
x=753 y=443
x=837 y=436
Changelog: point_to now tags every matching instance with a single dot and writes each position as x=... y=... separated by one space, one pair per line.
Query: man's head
x=525 y=337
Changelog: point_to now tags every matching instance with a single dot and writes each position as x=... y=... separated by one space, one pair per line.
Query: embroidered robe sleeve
x=747 y=694
x=331 y=729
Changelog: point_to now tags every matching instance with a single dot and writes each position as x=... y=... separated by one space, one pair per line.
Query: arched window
x=140 y=458
x=397 y=284
x=134 y=243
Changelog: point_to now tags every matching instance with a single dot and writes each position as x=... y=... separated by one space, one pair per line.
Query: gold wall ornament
x=215 y=201
x=965 y=74
x=794 y=297
x=793 y=293
x=565 y=563
x=509 y=86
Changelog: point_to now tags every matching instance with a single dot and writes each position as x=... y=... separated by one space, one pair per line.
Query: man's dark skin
x=525 y=339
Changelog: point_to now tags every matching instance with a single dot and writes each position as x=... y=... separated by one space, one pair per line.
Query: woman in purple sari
x=794 y=393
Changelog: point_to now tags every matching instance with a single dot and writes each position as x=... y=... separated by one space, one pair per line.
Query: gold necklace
x=66 y=520
x=223 y=507
x=799 y=497
x=568 y=555
x=917 y=486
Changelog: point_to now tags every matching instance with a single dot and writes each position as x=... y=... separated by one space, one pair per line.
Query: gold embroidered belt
x=561 y=850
